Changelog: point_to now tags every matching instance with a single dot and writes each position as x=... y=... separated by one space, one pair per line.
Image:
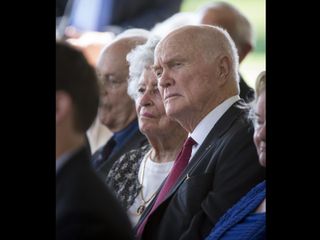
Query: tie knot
x=189 y=142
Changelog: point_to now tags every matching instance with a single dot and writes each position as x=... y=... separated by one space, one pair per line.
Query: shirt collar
x=207 y=123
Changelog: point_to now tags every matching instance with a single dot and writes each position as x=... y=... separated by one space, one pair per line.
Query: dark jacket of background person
x=196 y=201
x=84 y=209
x=136 y=141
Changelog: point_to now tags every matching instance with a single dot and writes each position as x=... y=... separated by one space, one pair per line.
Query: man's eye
x=113 y=81
x=158 y=73
x=258 y=122
x=141 y=90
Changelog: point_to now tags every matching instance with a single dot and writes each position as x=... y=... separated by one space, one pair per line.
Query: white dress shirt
x=202 y=130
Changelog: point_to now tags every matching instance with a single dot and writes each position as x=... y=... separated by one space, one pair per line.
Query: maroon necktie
x=179 y=165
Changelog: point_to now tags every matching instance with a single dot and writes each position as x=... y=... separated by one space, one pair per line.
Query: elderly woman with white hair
x=137 y=175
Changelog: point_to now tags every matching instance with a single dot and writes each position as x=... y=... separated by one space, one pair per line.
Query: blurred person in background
x=117 y=110
x=85 y=208
x=115 y=15
x=228 y=17
x=90 y=24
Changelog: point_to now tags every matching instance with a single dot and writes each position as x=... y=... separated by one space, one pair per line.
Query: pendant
x=141 y=209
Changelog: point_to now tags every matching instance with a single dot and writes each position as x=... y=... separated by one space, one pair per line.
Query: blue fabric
x=240 y=221
x=123 y=135
x=91 y=14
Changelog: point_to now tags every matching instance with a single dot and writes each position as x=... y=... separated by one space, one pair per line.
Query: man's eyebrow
x=170 y=60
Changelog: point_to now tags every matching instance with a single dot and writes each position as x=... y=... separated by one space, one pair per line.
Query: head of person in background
x=137 y=175
x=228 y=17
x=177 y=20
x=117 y=110
x=99 y=133
x=219 y=14
x=77 y=215
x=74 y=112
x=260 y=118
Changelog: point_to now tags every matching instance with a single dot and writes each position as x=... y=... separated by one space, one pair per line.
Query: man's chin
x=172 y=112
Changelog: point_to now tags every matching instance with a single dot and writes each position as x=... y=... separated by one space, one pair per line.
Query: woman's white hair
x=140 y=58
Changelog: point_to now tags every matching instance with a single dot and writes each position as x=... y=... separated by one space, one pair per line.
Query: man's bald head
x=197 y=69
x=123 y=45
x=208 y=41
x=117 y=109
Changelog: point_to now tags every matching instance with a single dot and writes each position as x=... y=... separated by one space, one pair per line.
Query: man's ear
x=63 y=106
x=224 y=68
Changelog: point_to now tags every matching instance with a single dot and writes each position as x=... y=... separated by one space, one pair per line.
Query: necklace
x=142 y=207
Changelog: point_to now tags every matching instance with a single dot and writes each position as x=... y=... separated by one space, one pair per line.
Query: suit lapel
x=208 y=146
x=211 y=141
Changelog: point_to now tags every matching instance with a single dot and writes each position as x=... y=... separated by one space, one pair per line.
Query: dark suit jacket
x=224 y=168
x=137 y=140
x=85 y=209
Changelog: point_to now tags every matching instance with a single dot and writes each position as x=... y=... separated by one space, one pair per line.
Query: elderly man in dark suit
x=85 y=209
x=197 y=71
